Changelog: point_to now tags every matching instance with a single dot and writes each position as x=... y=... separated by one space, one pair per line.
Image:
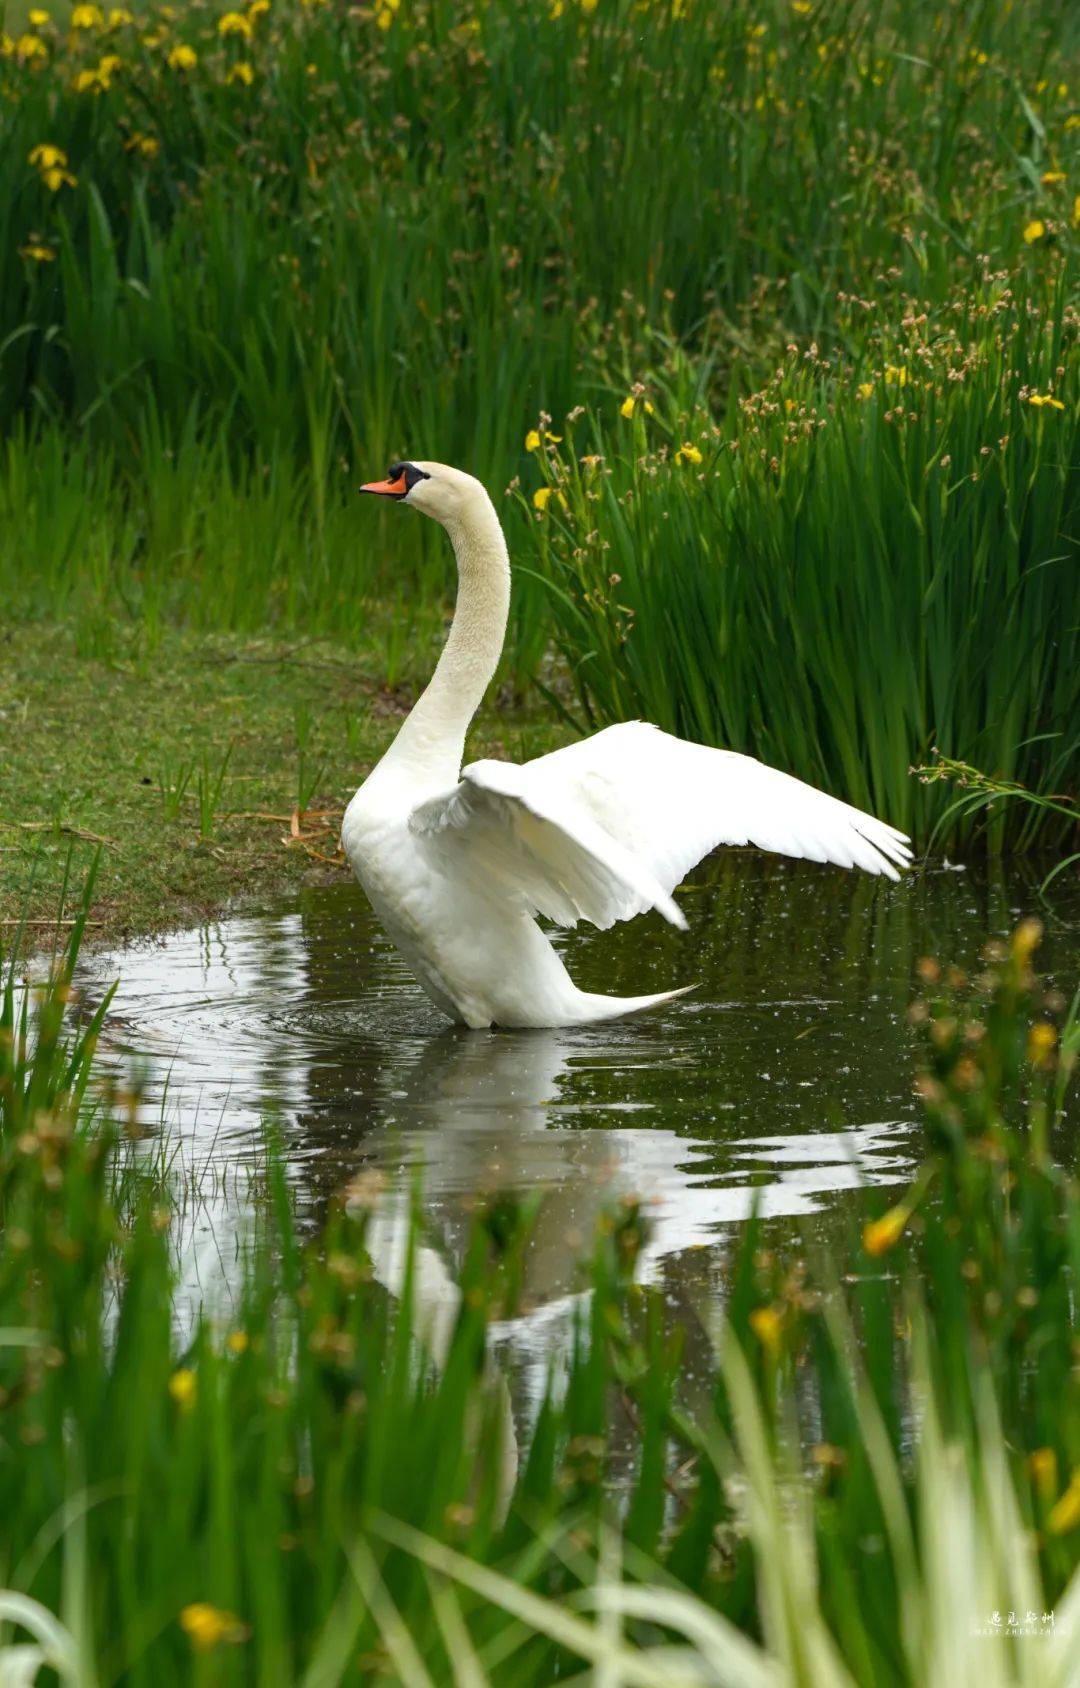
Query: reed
x=875 y=557
x=981 y=795
x=414 y=229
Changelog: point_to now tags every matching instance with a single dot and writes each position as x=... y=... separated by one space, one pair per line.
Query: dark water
x=787 y=1073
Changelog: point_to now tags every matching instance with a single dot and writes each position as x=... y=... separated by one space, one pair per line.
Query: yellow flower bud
x=207 y=1626
x=767 y=1324
x=184 y=1388
x=879 y=1235
x=1028 y=935
x=1065 y=1513
x=1040 y=1044
x=1042 y=1464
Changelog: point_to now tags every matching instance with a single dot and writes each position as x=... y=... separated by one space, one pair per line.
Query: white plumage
x=458 y=863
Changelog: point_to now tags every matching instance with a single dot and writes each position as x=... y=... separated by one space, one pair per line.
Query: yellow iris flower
x=46 y=156
x=235 y=23
x=1065 y=1514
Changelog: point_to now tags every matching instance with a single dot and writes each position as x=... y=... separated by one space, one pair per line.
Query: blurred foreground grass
x=326 y=1481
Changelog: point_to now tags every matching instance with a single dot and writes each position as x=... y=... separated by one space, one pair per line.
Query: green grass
x=888 y=1453
x=114 y=739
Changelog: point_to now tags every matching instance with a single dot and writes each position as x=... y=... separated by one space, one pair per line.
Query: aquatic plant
x=871 y=555
x=499 y=186
x=499 y=189
x=982 y=795
x=45 y=1068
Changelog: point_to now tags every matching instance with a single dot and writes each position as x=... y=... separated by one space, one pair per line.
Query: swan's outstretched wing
x=607 y=828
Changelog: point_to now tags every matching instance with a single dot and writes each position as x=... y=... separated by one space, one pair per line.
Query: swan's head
x=435 y=488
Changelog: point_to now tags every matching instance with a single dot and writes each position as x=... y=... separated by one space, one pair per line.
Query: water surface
x=784 y=1078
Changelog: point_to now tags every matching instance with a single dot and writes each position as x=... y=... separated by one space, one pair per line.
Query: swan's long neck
x=432 y=741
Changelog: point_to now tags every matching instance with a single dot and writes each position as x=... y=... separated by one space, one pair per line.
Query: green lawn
x=87 y=747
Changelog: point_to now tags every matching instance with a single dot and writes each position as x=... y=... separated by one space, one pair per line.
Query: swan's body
x=458 y=863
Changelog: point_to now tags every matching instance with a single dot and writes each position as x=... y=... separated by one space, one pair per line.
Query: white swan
x=459 y=862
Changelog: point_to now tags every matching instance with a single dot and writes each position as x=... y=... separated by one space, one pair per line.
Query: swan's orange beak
x=387 y=489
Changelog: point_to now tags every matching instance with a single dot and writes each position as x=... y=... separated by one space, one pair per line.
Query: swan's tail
x=591 y=1007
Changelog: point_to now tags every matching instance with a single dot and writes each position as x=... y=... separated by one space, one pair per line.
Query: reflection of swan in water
x=435 y=1302
x=479 y=1113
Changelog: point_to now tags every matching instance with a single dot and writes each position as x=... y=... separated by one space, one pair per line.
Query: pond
x=785 y=1078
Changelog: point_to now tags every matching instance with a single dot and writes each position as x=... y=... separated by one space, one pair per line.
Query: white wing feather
x=607 y=827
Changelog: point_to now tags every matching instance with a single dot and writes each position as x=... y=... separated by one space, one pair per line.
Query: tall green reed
x=866 y=558
x=45 y=1069
x=409 y=238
